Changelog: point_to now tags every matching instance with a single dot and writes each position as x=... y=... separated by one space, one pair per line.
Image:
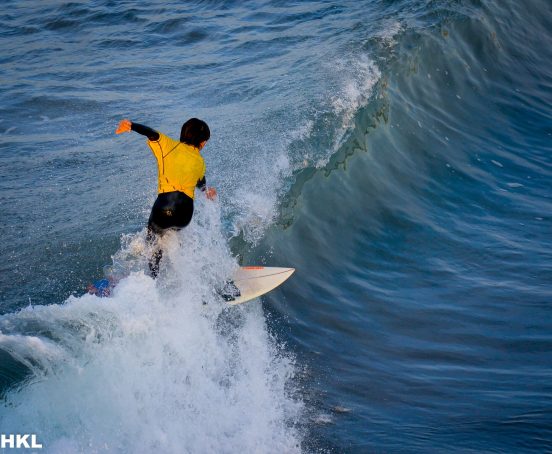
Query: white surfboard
x=250 y=282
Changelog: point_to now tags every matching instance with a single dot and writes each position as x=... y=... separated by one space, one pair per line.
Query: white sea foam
x=358 y=77
x=153 y=369
x=390 y=30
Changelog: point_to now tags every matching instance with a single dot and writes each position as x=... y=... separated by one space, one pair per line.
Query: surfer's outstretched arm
x=127 y=126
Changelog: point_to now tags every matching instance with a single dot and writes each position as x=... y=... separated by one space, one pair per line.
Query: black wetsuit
x=171 y=210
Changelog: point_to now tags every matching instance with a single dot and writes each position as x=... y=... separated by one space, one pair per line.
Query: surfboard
x=247 y=283
x=250 y=282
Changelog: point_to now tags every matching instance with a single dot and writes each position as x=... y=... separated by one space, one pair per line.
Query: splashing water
x=161 y=366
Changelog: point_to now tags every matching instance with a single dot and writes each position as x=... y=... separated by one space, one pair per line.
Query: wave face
x=396 y=153
x=423 y=251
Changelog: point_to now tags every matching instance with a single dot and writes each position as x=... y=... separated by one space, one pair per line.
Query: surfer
x=181 y=169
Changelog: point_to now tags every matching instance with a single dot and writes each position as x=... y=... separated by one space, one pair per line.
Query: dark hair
x=194 y=132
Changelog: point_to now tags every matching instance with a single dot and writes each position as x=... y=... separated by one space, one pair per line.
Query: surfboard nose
x=255 y=281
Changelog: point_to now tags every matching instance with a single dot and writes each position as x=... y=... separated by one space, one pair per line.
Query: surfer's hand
x=211 y=193
x=124 y=126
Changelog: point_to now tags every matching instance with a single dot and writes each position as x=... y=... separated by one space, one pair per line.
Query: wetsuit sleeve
x=202 y=184
x=151 y=134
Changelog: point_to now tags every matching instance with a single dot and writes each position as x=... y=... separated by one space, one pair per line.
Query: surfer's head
x=195 y=132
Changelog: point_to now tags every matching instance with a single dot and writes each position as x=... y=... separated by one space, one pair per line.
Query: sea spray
x=162 y=366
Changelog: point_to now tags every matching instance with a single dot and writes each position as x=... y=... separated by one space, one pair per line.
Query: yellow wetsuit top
x=180 y=166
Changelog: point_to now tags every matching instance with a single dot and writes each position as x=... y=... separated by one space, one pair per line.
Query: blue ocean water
x=396 y=153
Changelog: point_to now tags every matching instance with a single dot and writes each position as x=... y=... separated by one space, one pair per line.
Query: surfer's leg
x=171 y=210
x=157 y=254
x=154 y=261
x=155 y=231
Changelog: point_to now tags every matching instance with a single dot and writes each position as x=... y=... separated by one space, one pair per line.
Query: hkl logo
x=19 y=441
